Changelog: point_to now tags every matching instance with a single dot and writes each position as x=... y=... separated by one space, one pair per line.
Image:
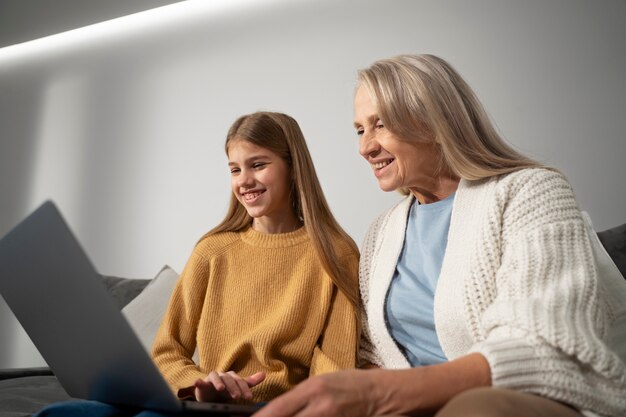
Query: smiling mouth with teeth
x=252 y=196
x=380 y=165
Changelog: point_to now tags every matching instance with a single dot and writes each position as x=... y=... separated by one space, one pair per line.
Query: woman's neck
x=442 y=188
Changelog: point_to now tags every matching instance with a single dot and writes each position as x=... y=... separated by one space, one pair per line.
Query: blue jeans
x=84 y=408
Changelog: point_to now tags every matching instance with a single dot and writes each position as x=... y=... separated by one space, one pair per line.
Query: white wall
x=125 y=129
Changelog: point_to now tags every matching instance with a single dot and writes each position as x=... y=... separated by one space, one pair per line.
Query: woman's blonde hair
x=421 y=97
x=281 y=134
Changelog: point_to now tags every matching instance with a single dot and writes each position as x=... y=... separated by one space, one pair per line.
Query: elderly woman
x=480 y=291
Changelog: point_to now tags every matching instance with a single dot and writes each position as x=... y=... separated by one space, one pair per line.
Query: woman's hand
x=224 y=386
x=345 y=393
x=366 y=393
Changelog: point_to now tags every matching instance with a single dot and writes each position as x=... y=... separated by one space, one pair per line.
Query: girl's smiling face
x=261 y=182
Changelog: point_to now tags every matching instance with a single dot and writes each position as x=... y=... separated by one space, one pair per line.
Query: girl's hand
x=224 y=386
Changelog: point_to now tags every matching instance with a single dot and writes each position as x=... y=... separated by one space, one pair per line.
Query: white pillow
x=146 y=311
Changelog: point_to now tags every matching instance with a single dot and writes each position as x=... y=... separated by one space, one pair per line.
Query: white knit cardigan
x=518 y=284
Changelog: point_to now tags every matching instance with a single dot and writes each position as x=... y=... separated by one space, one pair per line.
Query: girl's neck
x=269 y=225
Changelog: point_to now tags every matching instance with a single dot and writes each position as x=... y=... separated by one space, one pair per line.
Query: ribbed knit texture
x=519 y=285
x=254 y=302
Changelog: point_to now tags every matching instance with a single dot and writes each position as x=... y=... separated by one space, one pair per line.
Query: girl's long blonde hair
x=281 y=134
x=422 y=96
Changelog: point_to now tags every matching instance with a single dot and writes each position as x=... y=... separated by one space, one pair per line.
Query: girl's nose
x=245 y=180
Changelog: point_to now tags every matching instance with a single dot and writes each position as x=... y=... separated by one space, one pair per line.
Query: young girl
x=269 y=296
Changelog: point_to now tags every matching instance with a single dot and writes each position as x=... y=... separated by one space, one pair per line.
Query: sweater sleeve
x=543 y=323
x=175 y=341
x=337 y=348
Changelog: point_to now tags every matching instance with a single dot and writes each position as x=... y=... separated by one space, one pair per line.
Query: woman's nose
x=368 y=146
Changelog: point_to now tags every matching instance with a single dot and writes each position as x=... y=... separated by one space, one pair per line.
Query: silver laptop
x=58 y=297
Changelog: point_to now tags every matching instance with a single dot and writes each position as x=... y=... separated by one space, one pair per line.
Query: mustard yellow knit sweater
x=252 y=302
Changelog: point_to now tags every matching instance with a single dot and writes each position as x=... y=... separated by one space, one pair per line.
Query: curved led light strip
x=123 y=26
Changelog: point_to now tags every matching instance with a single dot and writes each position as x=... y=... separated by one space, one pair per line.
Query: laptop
x=57 y=295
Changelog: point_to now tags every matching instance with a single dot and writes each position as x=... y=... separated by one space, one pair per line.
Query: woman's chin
x=386 y=187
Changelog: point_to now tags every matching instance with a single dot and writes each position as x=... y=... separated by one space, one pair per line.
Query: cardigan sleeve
x=380 y=250
x=337 y=347
x=367 y=353
x=542 y=324
x=175 y=341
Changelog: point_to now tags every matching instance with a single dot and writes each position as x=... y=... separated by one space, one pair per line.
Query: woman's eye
x=359 y=132
x=379 y=125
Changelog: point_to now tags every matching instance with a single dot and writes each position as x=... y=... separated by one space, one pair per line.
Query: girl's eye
x=258 y=165
x=234 y=170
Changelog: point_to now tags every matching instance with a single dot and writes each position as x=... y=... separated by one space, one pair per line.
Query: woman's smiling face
x=396 y=163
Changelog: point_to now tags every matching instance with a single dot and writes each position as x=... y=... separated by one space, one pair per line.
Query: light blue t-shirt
x=410 y=299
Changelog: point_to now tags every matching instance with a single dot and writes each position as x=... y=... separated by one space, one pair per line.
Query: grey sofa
x=24 y=391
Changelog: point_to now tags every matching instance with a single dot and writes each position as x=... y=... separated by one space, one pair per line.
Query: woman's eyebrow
x=368 y=119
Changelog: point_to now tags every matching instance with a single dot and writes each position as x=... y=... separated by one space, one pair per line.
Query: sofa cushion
x=146 y=311
x=124 y=290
